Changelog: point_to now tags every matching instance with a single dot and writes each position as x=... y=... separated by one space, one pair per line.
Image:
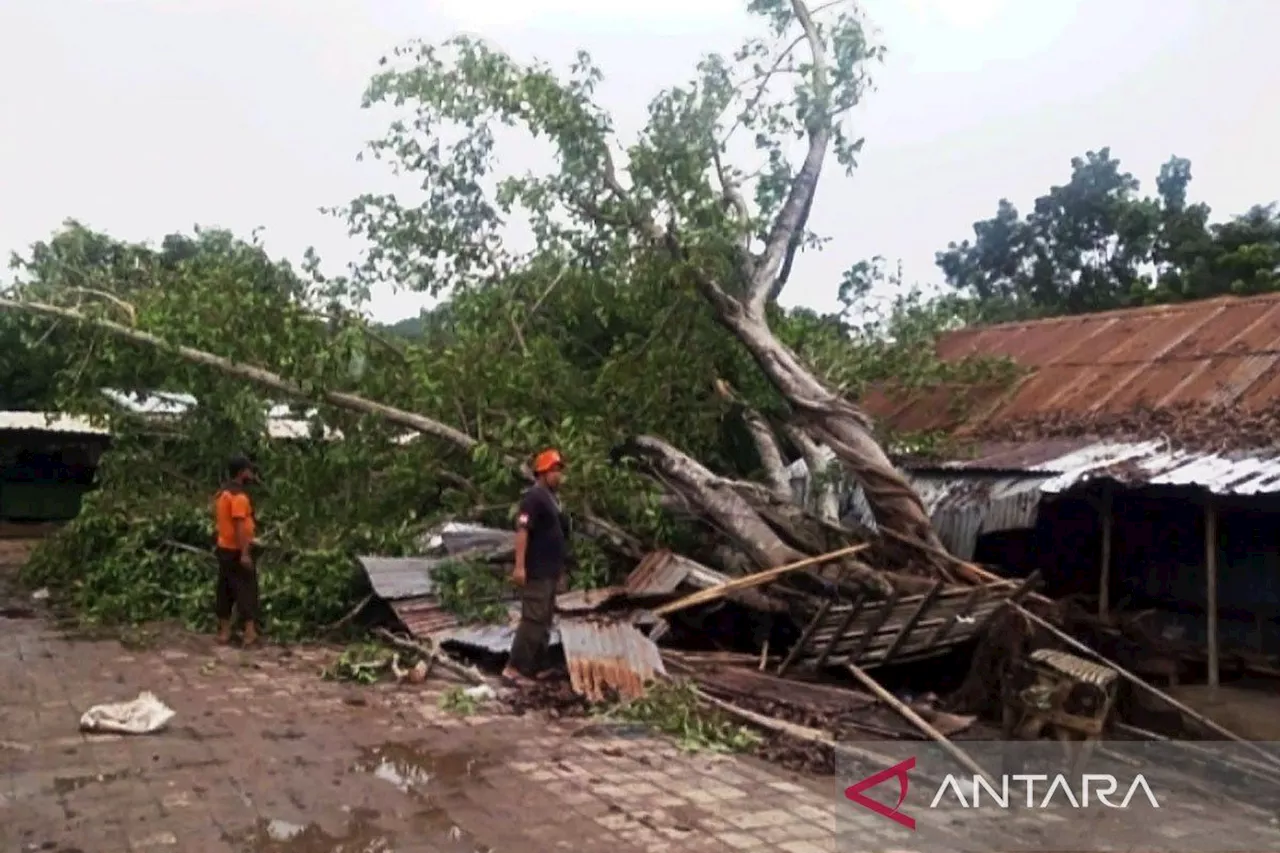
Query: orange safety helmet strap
x=546 y=460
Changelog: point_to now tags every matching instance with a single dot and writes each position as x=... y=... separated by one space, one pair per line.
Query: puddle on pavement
x=429 y=774
x=360 y=835
x=417 y=768
x=63 y=785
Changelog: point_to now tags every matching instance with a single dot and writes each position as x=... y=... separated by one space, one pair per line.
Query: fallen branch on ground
x=466 y=673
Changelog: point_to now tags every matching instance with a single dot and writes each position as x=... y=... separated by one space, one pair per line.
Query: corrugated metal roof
x=394 y=578
x=605 y=657
x=159 y=403
x=1219 y=352
x=48 y=422
x=970 y=497
x=659 y=573
x=1153 y=463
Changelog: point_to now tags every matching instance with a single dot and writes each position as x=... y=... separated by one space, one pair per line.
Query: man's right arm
x=525 y=521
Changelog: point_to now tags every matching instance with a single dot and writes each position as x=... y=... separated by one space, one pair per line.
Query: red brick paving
x=264 y=755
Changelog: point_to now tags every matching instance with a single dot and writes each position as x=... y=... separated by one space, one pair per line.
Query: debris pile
x=618 y=641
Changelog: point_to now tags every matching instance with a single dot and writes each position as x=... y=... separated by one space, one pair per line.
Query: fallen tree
x=609 y=341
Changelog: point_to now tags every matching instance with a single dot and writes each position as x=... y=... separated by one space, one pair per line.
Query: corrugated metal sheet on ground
x=659 y=573
x=605 y=657
x=394 y=578
x=1214 y=352
x=495 y=639
x=588 y=600
x=48 y=422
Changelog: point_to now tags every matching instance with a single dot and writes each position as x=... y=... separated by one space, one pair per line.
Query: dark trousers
x=237 y=587
x=537 y=609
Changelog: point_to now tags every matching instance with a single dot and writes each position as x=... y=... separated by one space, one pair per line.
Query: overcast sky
x=143 y=117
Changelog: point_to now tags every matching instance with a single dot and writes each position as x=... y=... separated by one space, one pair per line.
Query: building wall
x=44 y=475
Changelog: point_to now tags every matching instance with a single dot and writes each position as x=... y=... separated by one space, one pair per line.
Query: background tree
x=1096 y=244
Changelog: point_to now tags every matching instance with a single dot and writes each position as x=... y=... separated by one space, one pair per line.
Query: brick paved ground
x=263 y=755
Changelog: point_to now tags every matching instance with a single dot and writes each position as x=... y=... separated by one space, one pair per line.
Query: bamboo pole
x=920 y=723
x=767 y=576
x=1155 y=691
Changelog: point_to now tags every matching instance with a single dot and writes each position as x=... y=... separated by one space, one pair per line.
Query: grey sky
x=141 y=117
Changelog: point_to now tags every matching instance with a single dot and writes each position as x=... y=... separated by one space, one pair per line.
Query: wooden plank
x=844 y=624
x=979 y=592
x=910 y=624
x=805 y=636
x=890 y=604
x=930 y=621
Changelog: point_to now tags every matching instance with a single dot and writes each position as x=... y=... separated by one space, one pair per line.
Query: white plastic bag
x=143 y=715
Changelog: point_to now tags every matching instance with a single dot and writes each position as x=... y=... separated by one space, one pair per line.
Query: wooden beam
x=961 y=757
x=1024 y=590
x=965 y=609
x=873 y=627
x=910 y=624
x=1211 y=586
x=753 y=580
x=805 y=636
x=844 y=626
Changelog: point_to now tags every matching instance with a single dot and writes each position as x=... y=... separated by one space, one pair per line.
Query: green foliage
x=456 y=701
x=471 y=591
x=672 y=708
x=596 y=334
x=1095 y=244
x=362 y=663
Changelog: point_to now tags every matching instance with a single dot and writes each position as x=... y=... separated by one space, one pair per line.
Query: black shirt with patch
x=548 y=547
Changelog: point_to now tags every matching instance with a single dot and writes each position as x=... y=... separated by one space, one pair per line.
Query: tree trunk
x=835 y=422
x=747 y=513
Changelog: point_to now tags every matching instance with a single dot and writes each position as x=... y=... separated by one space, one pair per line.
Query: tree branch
x=819 y=460
x=256 y=375
x=805 y=184
x=775 y=469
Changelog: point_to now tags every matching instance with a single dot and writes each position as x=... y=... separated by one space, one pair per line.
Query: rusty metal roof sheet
x=424 y=617
x=659 y=573
x=588 y=600
x=605 y=657
x=1212 y=352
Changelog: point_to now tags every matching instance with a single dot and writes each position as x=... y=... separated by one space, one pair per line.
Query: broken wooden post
x=920 y=723
x=1211 y=586
x=1138 y=682
x=1104 y=570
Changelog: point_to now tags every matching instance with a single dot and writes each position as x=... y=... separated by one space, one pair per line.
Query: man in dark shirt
x=542 y=542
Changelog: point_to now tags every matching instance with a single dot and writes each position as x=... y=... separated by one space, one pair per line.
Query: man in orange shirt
x=237 y=575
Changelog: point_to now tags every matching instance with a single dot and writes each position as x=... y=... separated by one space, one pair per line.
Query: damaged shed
x=1135 y=464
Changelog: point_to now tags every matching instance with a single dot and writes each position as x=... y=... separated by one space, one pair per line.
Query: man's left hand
x=562 y=585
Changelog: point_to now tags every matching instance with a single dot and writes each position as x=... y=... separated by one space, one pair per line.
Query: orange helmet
x=546 y=460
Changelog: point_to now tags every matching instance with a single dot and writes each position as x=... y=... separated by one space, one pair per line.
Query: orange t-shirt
x=231 y=506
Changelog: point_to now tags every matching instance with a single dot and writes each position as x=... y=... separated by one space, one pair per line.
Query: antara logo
x=1042 y=791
